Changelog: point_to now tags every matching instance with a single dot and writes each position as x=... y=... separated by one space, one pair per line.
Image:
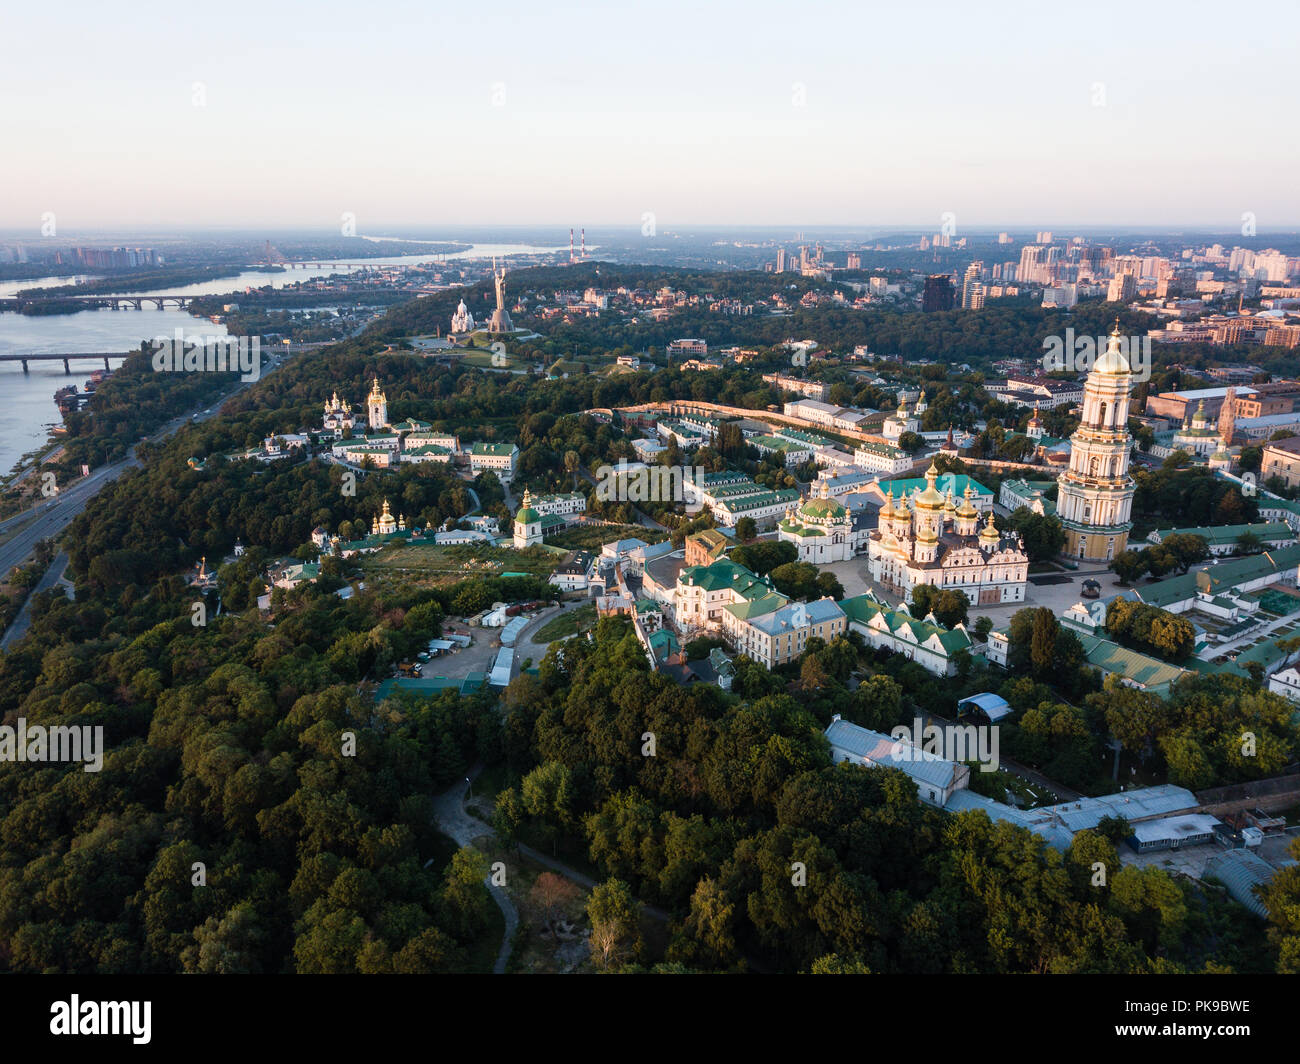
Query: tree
x=829 y=586
x=1042 y=643
x=834 y=964
x=548 y=794
x=1128 y=566
x=1281 y=897
x=572 y=463
x=1150 y=629
x=746 y=529
x=615 y=917
x=1043 y=535
x=877 y=703
x=950 y=608
x=1187 y=548
x=922 y=600
x=552 y=894
x=706 y=938
x=798 y=580
x=910 y=442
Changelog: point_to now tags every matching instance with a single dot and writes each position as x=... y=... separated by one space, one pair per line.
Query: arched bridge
x=20 y=303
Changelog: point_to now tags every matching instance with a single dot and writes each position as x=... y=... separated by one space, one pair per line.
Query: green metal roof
x=1151 y=673
x=1223 y=577
x=1222 y=534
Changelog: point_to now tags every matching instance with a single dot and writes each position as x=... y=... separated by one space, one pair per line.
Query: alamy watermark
x=60 y=743
x=1078 y=354
x=676 y=484
x=953 y=742
x=208 y=354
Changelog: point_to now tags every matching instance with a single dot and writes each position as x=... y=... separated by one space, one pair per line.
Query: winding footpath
x=455 y=822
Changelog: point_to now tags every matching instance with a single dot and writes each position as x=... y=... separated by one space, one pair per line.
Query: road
x=49 y=519
x=53 y=575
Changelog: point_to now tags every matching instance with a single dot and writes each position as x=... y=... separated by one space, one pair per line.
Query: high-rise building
x=1031 y=256
x=780 y=260
x=855 y=261
x=1095 y=494
x=1045 y=237
x=1122 y=288
x=938 y=293
x=974 y=274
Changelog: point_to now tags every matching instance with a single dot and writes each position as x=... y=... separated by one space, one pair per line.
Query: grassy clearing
x=592 y=537
x=461 y=560
x=568 y=623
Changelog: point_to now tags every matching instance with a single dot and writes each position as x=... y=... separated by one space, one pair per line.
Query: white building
x=936 y=778
x=811 y=389
x=1286 y=683
x=426 y=438
x=824 y=414
x=377 y=408
x=822 y=529
x=498 y=458
x=929 y=539
x=901 y=421
x=761 y=507
x=928 y=643
x=882 y=458
x=571 y=503
x=462 y=321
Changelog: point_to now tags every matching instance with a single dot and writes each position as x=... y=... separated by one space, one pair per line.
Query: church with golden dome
x=928 y=537
x=339 y=417
x=385 y=524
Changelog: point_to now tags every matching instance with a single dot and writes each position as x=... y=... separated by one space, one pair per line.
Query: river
x=27 y=409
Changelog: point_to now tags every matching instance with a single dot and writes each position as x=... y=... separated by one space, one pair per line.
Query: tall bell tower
x=377 y=407
x=1095 y=494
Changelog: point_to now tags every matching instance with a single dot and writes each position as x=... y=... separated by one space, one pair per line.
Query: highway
x=24 y=619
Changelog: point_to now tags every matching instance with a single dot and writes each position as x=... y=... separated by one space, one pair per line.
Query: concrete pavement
x=53 y=575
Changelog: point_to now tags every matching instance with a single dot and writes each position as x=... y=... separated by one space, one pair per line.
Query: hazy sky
x=849 y=113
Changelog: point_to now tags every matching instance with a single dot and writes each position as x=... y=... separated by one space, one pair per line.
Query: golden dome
x=887 y=511
x=930 y=498
x=967 y=507
x=990 y=534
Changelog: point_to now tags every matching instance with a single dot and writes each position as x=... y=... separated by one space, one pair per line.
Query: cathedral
x=462 y=321
x=385 y=524
x=903 y=420
x=1095 y=494
x=821 y=528
x=1197 y=438
x=338 y=416
x=930 y=538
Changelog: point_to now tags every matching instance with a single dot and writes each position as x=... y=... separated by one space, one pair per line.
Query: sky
x=284 y=114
